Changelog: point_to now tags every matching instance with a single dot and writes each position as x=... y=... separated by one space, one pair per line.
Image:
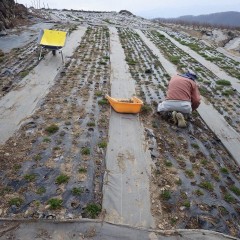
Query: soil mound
x=9 y=12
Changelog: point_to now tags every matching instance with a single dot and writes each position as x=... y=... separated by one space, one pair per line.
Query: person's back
x=183 y=89
x=182 y=97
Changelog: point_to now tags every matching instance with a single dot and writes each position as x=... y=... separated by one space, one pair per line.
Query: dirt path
x=21 y=102
x=126 y=195
x=212 y=67
x=228 y=136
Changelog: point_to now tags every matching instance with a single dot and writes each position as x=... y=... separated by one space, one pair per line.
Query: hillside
x=10 y=13
x=223 y=18
x=67 y=156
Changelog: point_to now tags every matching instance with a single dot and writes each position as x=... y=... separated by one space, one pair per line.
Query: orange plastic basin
x=124 y=105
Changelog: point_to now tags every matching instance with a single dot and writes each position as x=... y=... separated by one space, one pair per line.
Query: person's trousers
x=175 y=105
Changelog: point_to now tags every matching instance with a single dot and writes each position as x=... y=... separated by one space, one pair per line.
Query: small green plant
x=174 y=59
x=41 y=190
x=206 y=185
x=228 y=92
x=223 y=210
x=168 y=164
x=17 y=167
x=187 y=204
x=224 y=170
x=198 y=192
x=37 y=157
x=229 y=198
x=98 y=93
x=146 y=109
x=86 y=151
x=15 y=201
x=178 y=182
x=166 y=195
x=173 y=221
x=92 y=210
x=82 y=170
x=55 y=203
x=77 y=191
x=5 y=190
x=216 y=176
x=102 y=144
x=46 y=139
x=56 y=148
x=223 y=82
x=195 y=145
x=235 y=189
x=30 y=177
x=212 y=155
x=130 y=61
x=189 y=173
x=24 y=73
x=53 y=128
x=204 y=162
x=91 y=124
x=103 y=102
x=62 y=179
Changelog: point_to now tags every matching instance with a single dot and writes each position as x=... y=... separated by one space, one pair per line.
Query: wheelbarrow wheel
x=54 y=52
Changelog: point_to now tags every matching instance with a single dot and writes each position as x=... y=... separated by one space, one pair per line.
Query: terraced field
x=193 y=173
x=217 y=91
x=54 y=166
x=63 y=143
x=227 y=64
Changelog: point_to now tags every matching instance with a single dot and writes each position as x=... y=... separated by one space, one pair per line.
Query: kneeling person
x=182 y=96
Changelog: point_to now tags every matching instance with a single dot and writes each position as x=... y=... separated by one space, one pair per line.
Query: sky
x=145 y=8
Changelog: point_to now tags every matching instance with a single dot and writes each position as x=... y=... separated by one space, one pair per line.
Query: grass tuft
x=62 y=179
x=92 y=210
x=52 y=128
x=55 y=203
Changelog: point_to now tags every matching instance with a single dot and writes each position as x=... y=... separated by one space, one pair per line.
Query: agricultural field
x=54 y=166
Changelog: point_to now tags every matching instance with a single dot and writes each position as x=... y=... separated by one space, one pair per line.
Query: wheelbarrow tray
x=53 y=39
x=132 y=105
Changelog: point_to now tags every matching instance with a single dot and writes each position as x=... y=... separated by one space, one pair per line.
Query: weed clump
x=102 y=144
x=77 y=191
x=207 y=185
x=82 y=170
x=30 y=177
x=86 y=151
x=15 y=201
x=235 y=189
x=224 y=170
x=52 y=128
x=91 y=124
x=92 y=210
x=223 y=82
x=41 y=190
x=189 y=173
x=55 y=203
x=229 y=198
x=174 y=59
x=62 y=179
x=166 y=195
x=103 y=102
x=146 y=109
x=198 y=192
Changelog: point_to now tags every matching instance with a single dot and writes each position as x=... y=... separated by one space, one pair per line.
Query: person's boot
x=174 y=117
x=181 y=121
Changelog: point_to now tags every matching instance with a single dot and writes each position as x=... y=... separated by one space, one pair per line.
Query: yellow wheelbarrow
x=53 y=40
x=132 y=105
